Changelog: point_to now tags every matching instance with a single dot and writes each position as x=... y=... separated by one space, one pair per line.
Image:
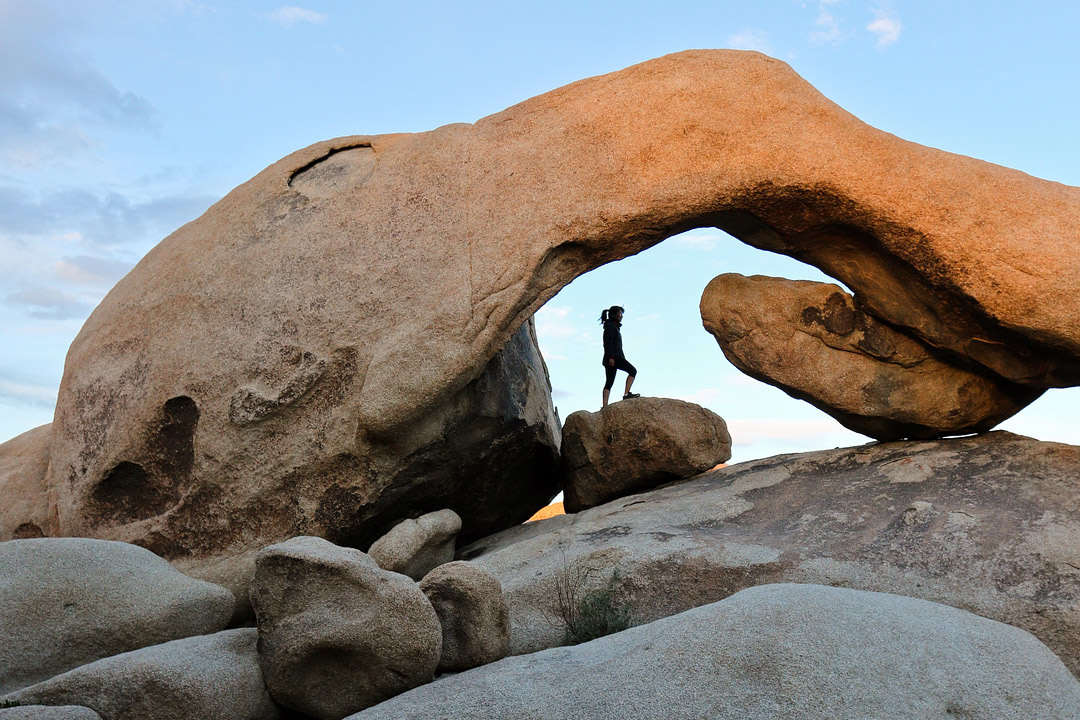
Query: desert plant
x=587 y=614
x=9 y=703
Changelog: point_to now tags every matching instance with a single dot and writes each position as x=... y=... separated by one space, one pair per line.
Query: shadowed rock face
x=810 y=340
x=322 y=312
x=490 y=450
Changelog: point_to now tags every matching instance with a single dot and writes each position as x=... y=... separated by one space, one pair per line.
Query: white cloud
x=749 y=40
x=47 y=303
x=92 y=271
x=24 y=393
x=700 y=238
x=289 y=15
x=555 y=323
x=828 y=27
x=886 y=25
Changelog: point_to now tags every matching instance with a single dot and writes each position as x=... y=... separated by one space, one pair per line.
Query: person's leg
x=609 y=377
x=631 y=374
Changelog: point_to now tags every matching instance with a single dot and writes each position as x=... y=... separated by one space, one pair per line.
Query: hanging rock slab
x=809 y=339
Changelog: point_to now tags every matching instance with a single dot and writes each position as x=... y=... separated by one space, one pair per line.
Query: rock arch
x=418 y=256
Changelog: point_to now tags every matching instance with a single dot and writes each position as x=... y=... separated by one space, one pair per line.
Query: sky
x=120 y=121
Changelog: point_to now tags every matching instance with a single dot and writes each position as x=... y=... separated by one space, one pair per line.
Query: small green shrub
x=587 y=614
x=9 y=703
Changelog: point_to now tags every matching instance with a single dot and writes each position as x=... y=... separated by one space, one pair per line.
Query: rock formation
x=776 y=651
x=473 y=614
x=809 y=339
x=633 y=445
x=415 y=547
x=290 y=361
x=69 y=601
x=24 y=459
x=208 y=676
x=200 y=486
x=989 y=523
x=337 y=633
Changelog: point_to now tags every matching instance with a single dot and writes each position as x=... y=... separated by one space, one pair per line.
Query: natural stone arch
x=403 y=266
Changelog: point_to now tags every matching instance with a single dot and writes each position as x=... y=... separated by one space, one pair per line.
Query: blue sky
x=119 y=121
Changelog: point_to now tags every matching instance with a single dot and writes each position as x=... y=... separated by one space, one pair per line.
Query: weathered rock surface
x=249 y=387
x=48 y=712
x=201 y=488
x=337 y=633
x=69 y=601
x=197 y=678
x=473 y=614
x=989 y=523
x=24 y=459
x=809 y=339
x=636 y=444
x=776 y=651
x=414 y=547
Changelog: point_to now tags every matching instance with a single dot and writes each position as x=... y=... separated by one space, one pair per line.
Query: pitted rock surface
x=990 y=523
x=775 y=651
x=336 y=632
x=24 y=459
x=809 y=339
x=321 y=314
x=632 y=445
x=182 y=488
x=69 y=601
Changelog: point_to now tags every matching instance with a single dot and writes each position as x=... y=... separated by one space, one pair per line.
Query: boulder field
x=989 y=523
x=305 y=357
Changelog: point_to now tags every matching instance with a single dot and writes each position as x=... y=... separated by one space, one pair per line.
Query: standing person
x=613 y=353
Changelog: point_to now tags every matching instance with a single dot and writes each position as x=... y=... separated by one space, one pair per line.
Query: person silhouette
x=614 y=359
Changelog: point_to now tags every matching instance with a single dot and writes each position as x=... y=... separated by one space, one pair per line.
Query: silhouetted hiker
x=613 y=353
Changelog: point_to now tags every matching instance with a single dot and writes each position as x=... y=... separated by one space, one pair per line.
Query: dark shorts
x=620 y=364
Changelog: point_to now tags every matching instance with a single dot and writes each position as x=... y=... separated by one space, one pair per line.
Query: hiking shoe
x=627 y=396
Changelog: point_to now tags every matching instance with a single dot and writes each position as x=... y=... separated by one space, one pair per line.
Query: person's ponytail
x=603 y=316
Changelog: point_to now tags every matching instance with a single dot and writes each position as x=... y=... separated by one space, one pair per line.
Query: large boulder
x=198 y=678
x=777 y=651
x=989 y=523
x=473 y=614
x=289 y=362
x=810 y=340
x=637 y=444
x=414 y=547
x=337 y=633
x=69 y=601
x=23 y=462
x=202 y=484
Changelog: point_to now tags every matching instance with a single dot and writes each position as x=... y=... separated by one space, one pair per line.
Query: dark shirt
x=613 y=340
